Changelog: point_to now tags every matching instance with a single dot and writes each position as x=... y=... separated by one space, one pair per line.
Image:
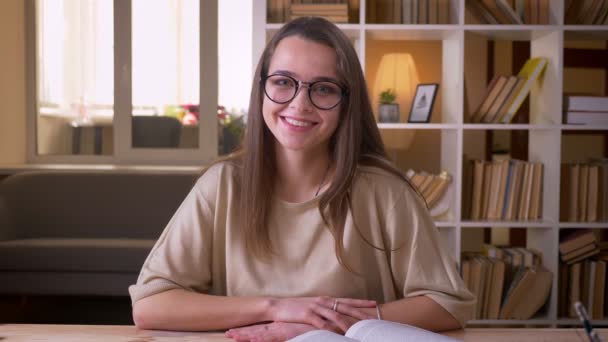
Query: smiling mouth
x=298 y=123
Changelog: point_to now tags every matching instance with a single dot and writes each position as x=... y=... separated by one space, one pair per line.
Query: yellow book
x=530 y=72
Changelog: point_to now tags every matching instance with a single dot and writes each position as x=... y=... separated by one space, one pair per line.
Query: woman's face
x=299 y=126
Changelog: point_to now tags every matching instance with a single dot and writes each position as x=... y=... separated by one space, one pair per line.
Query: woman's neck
x=302 y=176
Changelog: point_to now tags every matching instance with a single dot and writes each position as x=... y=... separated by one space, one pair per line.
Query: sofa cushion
x=74 y=255
x=56 y=204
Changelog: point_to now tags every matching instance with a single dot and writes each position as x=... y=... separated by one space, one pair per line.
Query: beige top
x=200 y=249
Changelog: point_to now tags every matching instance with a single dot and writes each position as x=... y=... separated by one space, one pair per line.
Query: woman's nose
x=301 y=100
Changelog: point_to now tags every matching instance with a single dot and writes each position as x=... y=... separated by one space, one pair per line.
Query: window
x=120 y=81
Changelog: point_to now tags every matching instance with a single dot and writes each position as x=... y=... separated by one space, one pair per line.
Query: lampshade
x=397 y=71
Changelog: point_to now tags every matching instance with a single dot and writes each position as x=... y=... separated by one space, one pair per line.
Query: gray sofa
x=82 y=233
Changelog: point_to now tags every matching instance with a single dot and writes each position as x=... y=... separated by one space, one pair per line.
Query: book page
x=374 y=330
x=321 y=336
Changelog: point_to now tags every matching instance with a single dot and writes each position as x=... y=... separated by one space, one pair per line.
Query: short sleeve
x=421 y=264
x=181 y=258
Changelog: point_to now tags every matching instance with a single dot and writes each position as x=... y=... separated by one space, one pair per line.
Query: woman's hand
x=319 y=311
x=269 y=332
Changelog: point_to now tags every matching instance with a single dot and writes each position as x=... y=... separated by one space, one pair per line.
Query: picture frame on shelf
x=422 y=105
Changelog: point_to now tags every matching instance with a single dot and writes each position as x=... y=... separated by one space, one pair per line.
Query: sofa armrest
x=7 y=229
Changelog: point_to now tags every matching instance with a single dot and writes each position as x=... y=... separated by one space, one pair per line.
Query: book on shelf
x=602 y=14
x=492 y=92
x=417 y=12
x=583 y=277
x=575 y=239
x=373 y=330
x=580 y=253
x=505 y=94
x=336 y=12
x=339 y=11
x=506 y=190
x=497 y=104
x=508 y=282
x=586 y=103
x=584 y=281
x=481 y=14
x=586 y=12
x=433 y=188
x=584 y=192
x=528 y=294
x=530 y=72
x=599 y=289
x=510 y=12
x=586 y=118
x=498 y=12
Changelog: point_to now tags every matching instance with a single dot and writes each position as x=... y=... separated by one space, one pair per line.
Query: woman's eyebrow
x=314 y=79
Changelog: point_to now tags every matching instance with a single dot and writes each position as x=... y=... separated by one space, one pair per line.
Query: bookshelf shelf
x=576 y=322
x=445 y=224
x=455 y=57
x=598 y=225
x=497 y=127
x=512 y=32
x=507 y=224
x=584 y=127
x=575 y=32
x=417 y=126
x=411 y=32
x=537 y=321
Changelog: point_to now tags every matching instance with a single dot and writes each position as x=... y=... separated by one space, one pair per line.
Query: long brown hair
x=356 y=141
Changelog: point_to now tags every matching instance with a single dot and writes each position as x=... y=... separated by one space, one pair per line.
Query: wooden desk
x=103 y=333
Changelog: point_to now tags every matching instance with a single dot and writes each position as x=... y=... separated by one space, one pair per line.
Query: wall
x=234 y=44
x=12 y=83
x=427 y=57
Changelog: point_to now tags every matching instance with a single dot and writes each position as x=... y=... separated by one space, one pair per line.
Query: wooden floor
x=65 y=310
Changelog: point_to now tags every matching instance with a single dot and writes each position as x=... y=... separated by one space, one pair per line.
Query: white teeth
x=297 y=122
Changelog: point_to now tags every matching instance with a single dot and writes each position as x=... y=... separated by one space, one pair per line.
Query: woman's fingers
x=268 y=332
x=358 y=303
x=329 y=302
x=334 y=317
x=354 y=312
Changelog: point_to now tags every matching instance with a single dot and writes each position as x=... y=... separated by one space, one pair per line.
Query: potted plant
x=388 y=111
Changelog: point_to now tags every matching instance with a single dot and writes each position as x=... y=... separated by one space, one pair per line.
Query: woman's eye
x=283 y=82
x=323 y=89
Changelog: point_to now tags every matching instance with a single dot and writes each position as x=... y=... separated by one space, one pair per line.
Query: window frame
x=123 y=152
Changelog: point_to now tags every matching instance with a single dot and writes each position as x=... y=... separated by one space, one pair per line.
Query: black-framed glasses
x=322 y=94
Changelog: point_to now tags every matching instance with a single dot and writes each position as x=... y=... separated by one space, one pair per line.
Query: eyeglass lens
x=322 y=94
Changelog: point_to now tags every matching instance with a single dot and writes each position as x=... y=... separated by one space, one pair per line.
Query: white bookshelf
x=544 y=129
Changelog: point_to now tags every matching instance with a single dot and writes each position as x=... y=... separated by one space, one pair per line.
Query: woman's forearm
x=419 y=311
x=190 y=311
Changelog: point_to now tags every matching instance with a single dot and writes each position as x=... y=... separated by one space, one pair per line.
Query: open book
x=373 y=330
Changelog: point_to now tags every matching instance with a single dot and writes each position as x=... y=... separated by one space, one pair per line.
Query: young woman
x=310 y=226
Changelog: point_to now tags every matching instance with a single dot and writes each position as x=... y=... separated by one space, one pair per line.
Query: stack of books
x=505 y=94
x=510 y=283
x=334 y=10
x=577 y=245
x=584 y=192
x=510 y=12
x=582 y=277
x=508 y=189
x=432 y=187
x=586 y=12
x=586 y=110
